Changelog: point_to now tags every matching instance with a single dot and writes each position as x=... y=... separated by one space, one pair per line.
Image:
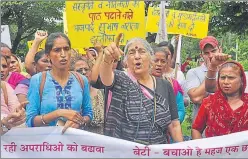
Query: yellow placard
x=191 y=24
x=80 y=50
x=102 y=21
x=41 y=46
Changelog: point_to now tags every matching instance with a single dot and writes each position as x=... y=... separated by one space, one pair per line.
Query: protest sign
x=90 y=21
x=48 y=142
x=189 y=24
x=41 y=46
x=5 y=35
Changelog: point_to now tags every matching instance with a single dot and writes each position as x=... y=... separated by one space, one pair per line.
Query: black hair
x=39 y=55
x=51 y=38
x=159 y=49
x=167 y=44
x=75 y=59
x=120 y=66
x=92 y=48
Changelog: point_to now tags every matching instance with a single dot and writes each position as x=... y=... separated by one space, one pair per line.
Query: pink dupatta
x=14 y=79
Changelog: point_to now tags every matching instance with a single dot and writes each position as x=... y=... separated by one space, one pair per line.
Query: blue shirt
x=55 y=97
x=180 y=106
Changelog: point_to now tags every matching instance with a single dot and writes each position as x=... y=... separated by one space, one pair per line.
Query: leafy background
x=228 y=22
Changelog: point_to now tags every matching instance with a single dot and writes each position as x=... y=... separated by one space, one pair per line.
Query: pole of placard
x=237 y=48
x=162 y=31
x=178 y=54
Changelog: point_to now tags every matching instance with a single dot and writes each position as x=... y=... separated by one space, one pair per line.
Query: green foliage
x=193 y=64
x=228 y=22
x=190 y=48
x=187 y=123
x=232 y=17
x=245 y=64
x=25 y=17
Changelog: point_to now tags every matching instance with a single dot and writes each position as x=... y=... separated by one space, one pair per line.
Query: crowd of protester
x=135 y=94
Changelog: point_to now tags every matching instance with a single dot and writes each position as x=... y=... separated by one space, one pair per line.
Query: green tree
x=25 y=17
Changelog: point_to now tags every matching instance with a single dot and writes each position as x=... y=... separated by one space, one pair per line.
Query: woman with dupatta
x=226 y=111
x=142 y=108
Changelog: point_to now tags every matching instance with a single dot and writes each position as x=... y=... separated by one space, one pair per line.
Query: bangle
x=108 y=62
x=210 y=78
x=212 y=69
x=83 y=125
x=42 y=120
x=4 y=128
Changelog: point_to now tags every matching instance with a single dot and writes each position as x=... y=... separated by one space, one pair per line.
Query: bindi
x=136 y=47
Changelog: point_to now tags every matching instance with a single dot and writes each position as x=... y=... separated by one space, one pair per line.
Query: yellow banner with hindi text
x=191 y=24
x=102 y=21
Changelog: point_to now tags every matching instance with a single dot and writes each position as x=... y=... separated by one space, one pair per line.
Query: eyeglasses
x=59 y=49
x=140 y=51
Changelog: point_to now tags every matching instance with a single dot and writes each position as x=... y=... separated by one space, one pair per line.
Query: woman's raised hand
x=40 y=35
x=113 y=52
x=98 y=46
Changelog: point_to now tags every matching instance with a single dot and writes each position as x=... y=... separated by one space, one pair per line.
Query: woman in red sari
x=226 y=111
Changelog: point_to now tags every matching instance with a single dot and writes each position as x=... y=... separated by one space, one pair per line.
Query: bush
x=245 y=64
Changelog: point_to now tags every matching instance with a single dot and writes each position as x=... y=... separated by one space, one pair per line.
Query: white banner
x=5 y=35
x=47 y=142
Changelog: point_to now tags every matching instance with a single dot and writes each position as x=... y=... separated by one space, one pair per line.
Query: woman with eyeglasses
x=82 y=66
x=65 y=97
x=142 y=108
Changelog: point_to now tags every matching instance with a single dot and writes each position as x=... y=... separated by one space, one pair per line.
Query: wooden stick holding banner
x=162 y=31
x=178 y=54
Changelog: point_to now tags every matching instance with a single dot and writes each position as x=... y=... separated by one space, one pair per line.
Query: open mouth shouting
x=138 y=65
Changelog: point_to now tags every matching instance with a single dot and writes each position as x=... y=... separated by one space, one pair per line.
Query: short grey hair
x=143 y=41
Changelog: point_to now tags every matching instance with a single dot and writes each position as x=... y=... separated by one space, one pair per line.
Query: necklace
x=153 y=116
